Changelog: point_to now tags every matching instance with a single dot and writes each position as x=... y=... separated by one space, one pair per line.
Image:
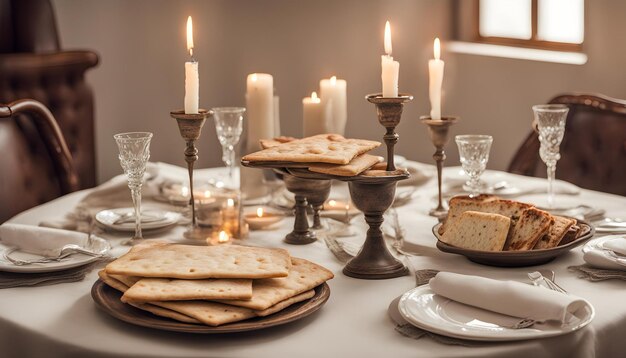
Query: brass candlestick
x=389 y=110
x=438 y=130
x=190 y=126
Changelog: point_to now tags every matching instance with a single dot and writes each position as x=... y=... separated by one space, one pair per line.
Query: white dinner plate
x=108 y=217
x=597 y=245
x=71 y=261
x=429 y=311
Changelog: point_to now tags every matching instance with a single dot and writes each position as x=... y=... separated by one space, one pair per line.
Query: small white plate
x=427 y=310
x=71 y=261
x=108 y=217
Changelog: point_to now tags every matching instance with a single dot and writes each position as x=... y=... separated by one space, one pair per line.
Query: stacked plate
x=123 y=219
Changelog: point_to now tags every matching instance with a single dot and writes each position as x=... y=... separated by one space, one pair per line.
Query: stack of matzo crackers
x=325 y=153
x=212 y=285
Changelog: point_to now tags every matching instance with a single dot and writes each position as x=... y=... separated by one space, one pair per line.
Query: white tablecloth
x=63 y=320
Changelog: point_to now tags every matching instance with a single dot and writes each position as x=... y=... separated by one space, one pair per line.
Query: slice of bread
x=478 y=231
x=556 y=233
x=530 y=227
x=571 y=234
x=460 y=204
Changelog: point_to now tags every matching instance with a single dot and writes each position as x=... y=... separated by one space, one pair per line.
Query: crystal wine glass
x=228 y=126
x=550 y=119
x=134 y=151
x=474 y=153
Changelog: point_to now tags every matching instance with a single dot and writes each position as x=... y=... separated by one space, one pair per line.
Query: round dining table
x=63 y=320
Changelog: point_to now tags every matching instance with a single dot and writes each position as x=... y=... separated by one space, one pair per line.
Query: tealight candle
x=261 y=219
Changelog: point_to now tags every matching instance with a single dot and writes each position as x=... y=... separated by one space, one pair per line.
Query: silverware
x=130 y=218
x=523 y=323
x=66 y=251
x=539 y=279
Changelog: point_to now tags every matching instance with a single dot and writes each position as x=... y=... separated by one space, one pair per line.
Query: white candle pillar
x=390 y=68
x=435 y=74
x=192 y=82
x=334 y=100
x=314 y=116
x=260 y=110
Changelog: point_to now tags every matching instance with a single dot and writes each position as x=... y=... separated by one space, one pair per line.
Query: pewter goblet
x=550 y=120
x=228 y=126
x=134 y=153
x=474 y=154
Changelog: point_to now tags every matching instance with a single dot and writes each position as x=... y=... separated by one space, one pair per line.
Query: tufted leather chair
x=593 y=151
x=34 y=171
x=33 y=66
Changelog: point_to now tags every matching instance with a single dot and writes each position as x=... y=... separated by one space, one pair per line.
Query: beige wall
x=140 y=79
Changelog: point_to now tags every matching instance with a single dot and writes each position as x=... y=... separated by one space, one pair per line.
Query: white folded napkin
x=603 y=260
x=39 y=240
x=507 y=297
x=617 y=245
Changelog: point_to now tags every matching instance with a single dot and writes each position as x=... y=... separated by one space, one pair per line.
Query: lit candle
x=435 y=71
x=333 y=96
x=313 y=116
x=223 y=237
x=261 y=219
x=192 y=82
x=390 y=68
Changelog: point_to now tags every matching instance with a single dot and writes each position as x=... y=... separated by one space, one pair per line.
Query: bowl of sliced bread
x=493 y=231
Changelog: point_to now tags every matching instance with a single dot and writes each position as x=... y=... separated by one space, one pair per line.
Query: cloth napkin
x=507 y=297
x=39 y=240
x=604 y=259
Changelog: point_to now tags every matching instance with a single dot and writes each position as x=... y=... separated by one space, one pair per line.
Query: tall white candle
x=334 y=101
x=314 y=116
x=435 y=72
x=192 y=82
x=260 y=110
x=390 y=68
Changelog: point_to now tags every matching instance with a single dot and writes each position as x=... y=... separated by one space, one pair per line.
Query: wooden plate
x=516 y=258
x=108 y=299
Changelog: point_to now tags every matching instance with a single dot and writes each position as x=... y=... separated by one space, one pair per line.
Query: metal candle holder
x=302 y=189
x=438 y=130
x=389 y=110
x=190 y=126
x=373 y=197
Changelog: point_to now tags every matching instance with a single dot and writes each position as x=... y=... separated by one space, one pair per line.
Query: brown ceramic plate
x=516 y=258
x=108 y=299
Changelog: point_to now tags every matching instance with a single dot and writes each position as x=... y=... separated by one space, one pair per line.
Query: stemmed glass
x=134 y=151
x=474 y=153
x=550 y=119
x=228 y=126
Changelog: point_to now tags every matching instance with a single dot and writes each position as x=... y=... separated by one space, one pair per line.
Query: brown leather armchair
x=33 y=66
x=34 y=171
x=593 y=151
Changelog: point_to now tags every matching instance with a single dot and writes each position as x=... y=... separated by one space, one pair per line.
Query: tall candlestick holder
x=389 y=110
x=438 y=130
x=190 y=126
x=302 y=190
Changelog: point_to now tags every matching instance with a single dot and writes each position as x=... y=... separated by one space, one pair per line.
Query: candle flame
x=184 y=191
x=387 y=39
x=254 y=77
x=223 y=237
x=333 y=80
x=230 y=203
x=190 y=36
x=314 y=97
x=332 y=203
x=259 y=212
x=207 y=194
x=437 y=48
